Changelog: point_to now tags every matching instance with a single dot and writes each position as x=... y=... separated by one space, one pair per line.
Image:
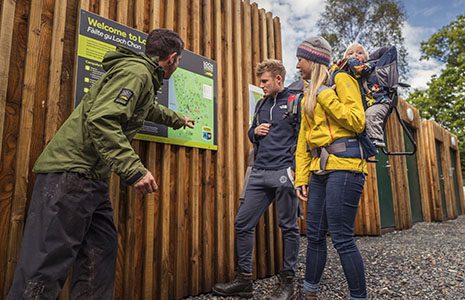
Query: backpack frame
x=386 y=73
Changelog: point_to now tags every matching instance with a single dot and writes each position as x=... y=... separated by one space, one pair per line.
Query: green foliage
x=444 y=99
x=372 y=23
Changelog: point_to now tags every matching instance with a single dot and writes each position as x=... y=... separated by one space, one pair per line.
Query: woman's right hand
x=302 y=192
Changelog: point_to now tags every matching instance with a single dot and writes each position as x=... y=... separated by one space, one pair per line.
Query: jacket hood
x=121 y=56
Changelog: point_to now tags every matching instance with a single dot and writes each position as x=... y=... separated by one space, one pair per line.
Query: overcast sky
x=424 y=18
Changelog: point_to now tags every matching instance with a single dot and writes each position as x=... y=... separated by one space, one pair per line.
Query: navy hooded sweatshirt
x=276 y=150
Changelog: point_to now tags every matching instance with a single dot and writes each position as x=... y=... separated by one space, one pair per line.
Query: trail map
x=191 y=90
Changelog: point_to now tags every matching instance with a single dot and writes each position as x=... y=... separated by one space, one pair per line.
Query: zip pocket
x=289 y=175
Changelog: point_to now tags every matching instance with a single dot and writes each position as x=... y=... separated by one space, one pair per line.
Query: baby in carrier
x=377 y=101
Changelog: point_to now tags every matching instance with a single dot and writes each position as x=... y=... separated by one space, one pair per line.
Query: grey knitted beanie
x=315 y=49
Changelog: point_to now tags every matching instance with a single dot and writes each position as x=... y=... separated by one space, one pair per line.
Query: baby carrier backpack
x=385 y=74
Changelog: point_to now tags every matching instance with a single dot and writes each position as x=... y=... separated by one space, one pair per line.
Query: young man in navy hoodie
x=274 y=134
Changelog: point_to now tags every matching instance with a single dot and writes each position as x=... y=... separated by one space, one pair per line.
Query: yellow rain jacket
x=338 y=114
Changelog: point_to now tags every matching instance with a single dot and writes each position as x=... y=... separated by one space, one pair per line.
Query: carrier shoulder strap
x=293 y=102
x=258 y=106
x=361 y=85
x=253 y=153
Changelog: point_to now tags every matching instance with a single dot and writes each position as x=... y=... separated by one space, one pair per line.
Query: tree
x=372 y=23
x=444 y=99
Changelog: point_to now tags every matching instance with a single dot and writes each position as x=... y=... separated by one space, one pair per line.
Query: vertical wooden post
x=208 y=196
x=122 y=12
x=459 y=176
x=7 y=18
x=247 y=68
x=257 y=57
x=59 y=20
x=238 y=99
x=155 y=14
x=194 y=178
x=149 y=228
x=263 y=41
x=220 y=156
x=6 y=37
x=139 y=15
x=18 y=212
x=182 y=204
x=165 y=236
x=115 y=193
x=104 y=8
x=423 y=171
x=277 y=38
x=230 y=145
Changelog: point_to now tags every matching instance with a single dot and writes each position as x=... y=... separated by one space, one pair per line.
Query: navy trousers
x=262 y=187
x=332 y=205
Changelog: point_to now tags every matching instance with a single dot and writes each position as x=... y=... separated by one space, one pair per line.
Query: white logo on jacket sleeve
x=283 y=179
x=284 y=106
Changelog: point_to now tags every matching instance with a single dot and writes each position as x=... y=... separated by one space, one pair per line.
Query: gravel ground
x=425 y=262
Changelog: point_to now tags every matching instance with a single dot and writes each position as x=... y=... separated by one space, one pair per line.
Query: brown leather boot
x=311 y=296
x=285 y=288
x=241 y=286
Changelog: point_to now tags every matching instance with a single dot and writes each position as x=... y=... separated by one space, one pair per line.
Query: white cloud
x=420 y=70
x=298 y=22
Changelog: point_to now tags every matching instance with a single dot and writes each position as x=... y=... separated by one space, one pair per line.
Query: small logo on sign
x=208 y=68
x=206 y=133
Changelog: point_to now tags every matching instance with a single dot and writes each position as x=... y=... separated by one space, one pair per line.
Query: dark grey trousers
x=69 y=224
x=262 y=187
x=375 y=116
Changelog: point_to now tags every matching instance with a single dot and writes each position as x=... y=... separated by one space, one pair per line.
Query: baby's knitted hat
x=315 y=49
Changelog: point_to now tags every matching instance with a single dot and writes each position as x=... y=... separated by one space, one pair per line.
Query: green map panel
x=192 y=94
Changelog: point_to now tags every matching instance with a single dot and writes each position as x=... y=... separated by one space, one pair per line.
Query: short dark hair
x=162 y=42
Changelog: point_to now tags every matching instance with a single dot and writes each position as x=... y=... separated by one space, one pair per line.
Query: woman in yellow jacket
x=329 y=151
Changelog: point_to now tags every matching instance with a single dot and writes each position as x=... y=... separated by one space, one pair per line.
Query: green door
x=455 y=180
x=384 y=190
x=413 y=182
x=441 y=180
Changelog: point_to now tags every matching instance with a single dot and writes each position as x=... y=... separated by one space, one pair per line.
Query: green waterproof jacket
x=95 y=139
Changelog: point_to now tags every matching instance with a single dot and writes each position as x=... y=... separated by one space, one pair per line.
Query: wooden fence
x=442 y=181
x=425 y=187
x=179 y=241
x=420 y=190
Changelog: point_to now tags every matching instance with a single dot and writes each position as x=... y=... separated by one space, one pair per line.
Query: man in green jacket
x=70 y=218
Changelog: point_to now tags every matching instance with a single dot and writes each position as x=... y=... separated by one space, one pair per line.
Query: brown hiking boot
x=311 y=296
x=285 y=288
x=241 y=286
